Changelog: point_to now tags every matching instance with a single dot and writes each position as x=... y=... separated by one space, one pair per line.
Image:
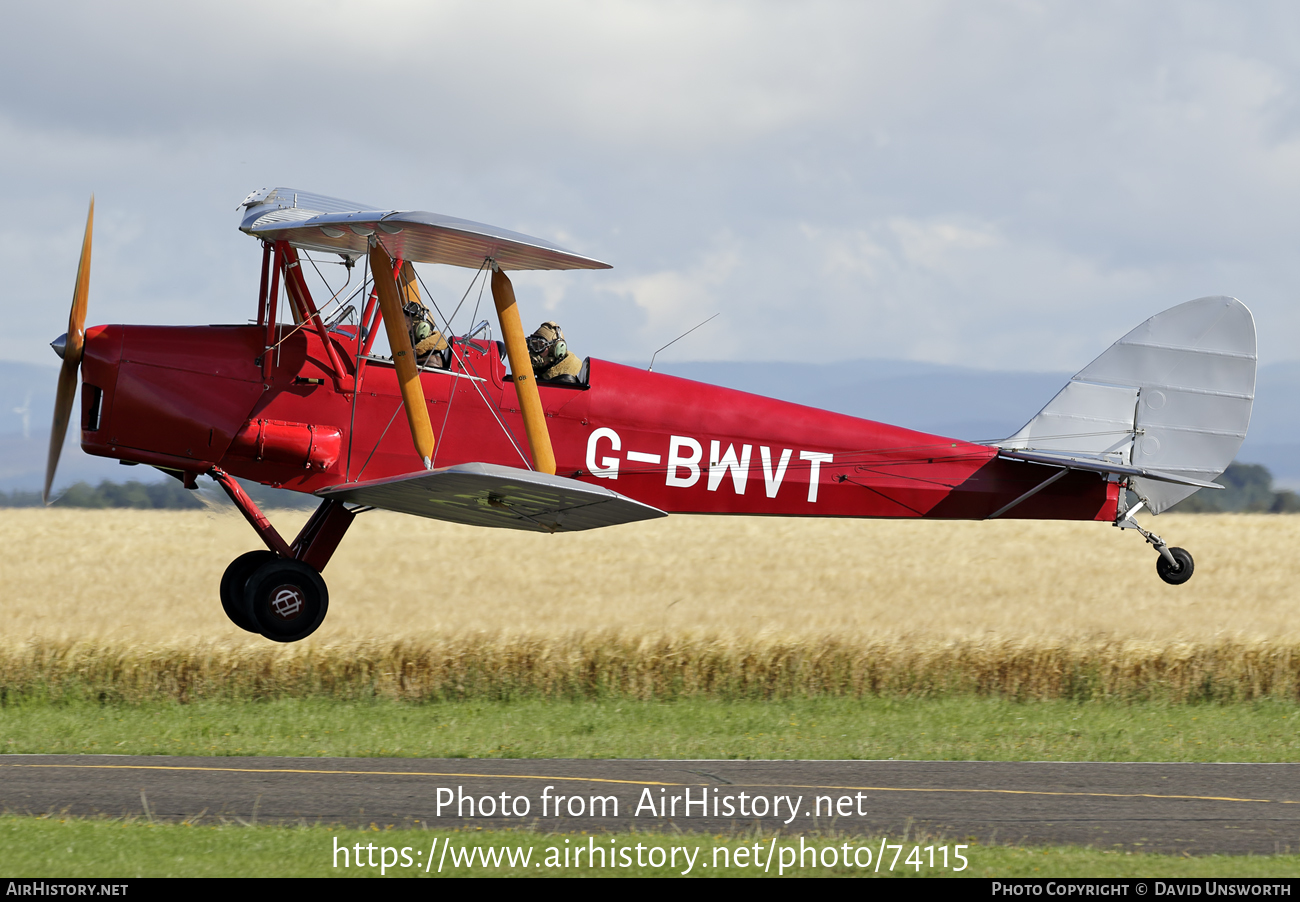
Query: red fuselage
x=191 y=397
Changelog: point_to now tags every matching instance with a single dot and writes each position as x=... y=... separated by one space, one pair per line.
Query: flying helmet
x=546 y=346
x=417 y=315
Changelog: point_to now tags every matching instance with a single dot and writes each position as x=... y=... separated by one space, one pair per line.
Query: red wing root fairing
x=461 y=428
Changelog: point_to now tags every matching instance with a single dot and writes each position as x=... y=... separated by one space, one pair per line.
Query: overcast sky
x=1002 y=185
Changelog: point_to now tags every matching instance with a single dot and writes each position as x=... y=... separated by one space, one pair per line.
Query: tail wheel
x=286 y=599
x=1181 y=574
x=233 y=583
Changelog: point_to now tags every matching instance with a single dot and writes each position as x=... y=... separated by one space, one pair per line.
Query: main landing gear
x=282 y=599
x=279 y=592
x=1174 y=565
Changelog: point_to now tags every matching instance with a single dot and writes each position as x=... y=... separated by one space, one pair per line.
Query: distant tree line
x=1247 y=488
x=166 y=495
x=169 y=495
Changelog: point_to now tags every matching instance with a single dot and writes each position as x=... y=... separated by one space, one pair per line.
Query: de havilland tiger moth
x=482 y=432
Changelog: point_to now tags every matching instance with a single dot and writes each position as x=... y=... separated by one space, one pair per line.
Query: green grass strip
x=114 y=849
x=947 y=728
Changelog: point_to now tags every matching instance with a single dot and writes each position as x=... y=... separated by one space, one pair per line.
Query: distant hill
x=947 y=400
x=27 y=400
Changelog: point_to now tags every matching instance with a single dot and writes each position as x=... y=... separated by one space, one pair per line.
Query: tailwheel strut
x=1174 y=565
x=279 y=592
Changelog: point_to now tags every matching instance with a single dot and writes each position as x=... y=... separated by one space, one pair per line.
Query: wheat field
x=151 y=577
x=686 y=604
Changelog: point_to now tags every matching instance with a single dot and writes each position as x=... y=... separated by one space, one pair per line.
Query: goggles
x=537 y=344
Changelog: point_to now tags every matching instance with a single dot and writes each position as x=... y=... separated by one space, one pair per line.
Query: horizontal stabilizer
x=1100 y=465
x=316 y=222
x=489 y=495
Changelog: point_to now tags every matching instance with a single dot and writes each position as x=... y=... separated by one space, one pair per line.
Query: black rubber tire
x=233 y=582
x=1184 y=571
x=286 y=599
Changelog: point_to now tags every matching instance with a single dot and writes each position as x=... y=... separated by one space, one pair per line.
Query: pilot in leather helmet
x=552 y=361
x=427 y=341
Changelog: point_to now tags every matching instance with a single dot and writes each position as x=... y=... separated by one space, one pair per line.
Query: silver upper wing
x=316 y=222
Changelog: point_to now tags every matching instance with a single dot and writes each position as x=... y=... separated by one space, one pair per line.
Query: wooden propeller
x=70 y=348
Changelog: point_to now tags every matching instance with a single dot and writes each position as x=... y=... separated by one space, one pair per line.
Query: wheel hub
x=287 y=601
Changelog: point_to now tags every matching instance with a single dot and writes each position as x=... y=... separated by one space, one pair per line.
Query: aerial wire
x=651 y=367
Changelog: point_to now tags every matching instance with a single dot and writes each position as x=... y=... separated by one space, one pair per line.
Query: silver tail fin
x=1174 y=395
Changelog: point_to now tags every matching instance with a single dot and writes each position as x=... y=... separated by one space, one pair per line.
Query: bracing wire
x=320 y=311
x=356 y=386
x=474 y=319
x=481 y=268
x=505 y=430
x=465 y=367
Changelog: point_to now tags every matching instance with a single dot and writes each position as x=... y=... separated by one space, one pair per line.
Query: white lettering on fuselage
x=608 y=466
x=685 y=454
x=718 y=466
x=772 y=481
x=817 y=461
x=677 y=462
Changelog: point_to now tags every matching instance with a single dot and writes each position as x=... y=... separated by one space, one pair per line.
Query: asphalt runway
x=1193 y=808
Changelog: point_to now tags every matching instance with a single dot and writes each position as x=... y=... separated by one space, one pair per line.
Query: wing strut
x=521 y=373
x=300 y=300
x=408 y=374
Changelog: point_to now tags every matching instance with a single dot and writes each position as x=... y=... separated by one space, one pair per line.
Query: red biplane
x=305 y=404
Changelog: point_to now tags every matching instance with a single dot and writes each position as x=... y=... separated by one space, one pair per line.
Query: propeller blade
x=80 y=296
x=67 y=393
x=74 y=344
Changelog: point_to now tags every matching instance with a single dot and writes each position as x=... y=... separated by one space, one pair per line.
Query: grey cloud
x=995 y=185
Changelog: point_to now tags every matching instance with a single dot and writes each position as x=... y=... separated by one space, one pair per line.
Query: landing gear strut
x=279 y=592
x=1174 y=565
